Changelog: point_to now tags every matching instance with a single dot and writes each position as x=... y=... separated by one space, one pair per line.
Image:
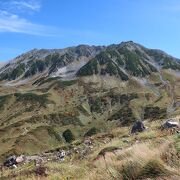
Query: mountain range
x=43 y=93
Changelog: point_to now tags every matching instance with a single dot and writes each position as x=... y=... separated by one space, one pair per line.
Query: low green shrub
x=91 y=132
x=68 y=136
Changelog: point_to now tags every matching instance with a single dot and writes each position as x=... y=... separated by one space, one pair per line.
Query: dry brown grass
x=139 y=161
x=153 y=156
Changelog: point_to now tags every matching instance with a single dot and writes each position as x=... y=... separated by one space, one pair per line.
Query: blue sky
x=29 y=24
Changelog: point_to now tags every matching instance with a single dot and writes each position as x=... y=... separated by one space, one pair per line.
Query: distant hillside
x=1 y=64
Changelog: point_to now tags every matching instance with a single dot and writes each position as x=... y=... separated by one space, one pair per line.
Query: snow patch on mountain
x=69 y=72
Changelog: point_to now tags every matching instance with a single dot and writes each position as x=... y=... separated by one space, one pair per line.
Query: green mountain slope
x=109 y=87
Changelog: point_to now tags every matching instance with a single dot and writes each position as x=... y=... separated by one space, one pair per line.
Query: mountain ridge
x=38 y=61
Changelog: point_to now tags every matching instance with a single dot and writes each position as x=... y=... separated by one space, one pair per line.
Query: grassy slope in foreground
x=152 y=154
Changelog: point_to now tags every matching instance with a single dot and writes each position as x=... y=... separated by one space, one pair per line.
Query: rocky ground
x=118 y=154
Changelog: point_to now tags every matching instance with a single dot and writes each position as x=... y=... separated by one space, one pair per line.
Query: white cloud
x=28 y=4
x=13 y=23
x=21 y=5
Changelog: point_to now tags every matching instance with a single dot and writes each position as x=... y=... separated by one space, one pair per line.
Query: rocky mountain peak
x=124 y=59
